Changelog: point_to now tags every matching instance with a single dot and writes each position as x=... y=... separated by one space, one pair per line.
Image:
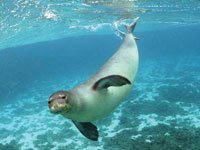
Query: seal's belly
x=97 y=105
x=107 y=103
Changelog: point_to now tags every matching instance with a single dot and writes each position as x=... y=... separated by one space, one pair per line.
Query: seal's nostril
x=49 y=102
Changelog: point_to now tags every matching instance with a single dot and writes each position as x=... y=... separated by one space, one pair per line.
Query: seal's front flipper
x=112 y=80
x=88 y=129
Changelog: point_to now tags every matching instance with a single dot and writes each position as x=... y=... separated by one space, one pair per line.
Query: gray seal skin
x=103 y=92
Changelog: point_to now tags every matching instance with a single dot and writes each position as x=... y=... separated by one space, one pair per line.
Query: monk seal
x=103 y=92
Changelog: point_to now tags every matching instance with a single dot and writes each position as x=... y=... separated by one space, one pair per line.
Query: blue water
x=162 y=111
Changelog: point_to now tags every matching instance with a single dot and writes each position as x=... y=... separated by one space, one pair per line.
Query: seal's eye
x=62 y=96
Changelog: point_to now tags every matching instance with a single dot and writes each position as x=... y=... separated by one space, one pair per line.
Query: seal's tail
x=130 y=28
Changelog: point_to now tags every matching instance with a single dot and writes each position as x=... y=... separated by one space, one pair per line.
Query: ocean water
x=50 y=45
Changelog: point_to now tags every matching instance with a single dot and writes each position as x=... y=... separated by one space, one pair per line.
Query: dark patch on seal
x=112 y=80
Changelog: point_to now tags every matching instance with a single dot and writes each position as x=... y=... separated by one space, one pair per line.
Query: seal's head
x=59 y=102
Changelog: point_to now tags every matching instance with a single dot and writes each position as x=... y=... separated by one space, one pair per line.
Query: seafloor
x=162 y=112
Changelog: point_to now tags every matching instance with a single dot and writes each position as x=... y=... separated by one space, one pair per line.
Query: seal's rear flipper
x=88 y=129
x=130 y=27
x=112 y=80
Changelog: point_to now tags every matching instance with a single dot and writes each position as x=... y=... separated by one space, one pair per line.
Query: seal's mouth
x=57 y=108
